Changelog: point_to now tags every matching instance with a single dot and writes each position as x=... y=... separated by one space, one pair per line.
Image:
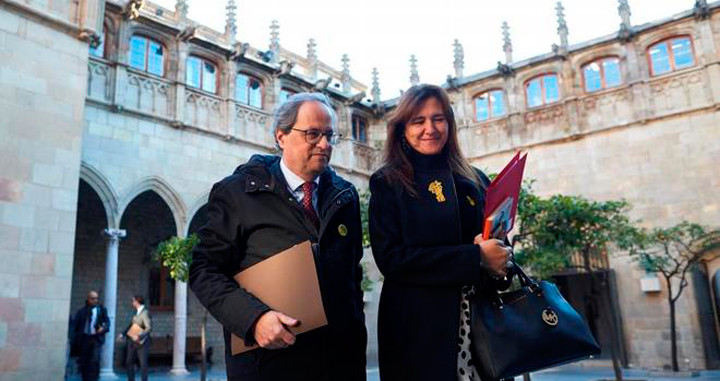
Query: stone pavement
x=565 y=373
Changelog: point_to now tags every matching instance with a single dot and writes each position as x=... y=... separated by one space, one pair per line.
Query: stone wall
x=42 y=109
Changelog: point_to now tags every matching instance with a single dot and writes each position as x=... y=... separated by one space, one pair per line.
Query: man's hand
x=495 y=255
x=271 y=330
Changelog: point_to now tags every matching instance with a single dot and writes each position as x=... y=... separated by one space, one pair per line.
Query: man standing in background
x=90 y=326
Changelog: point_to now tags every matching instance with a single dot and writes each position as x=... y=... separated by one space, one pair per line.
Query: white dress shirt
x=90 y=329
x=295 y=183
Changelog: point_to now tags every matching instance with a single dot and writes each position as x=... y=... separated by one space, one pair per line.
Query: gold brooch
x=436 y=188
x=342 y=230
x=470 y=200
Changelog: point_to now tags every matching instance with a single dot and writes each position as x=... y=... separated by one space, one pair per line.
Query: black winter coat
x=423 y=245
x=251 y=216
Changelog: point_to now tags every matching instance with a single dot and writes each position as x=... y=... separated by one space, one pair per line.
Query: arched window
x=284 y=95
x=147 y=54
x=201 y=73
x=672 y=54
x=490 y=104
x=359 y=128
x=99 y=51
x=542 y=90
x=248 y=90
x=602 y=73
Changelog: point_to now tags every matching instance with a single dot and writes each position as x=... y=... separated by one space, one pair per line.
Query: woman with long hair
x=426 y=212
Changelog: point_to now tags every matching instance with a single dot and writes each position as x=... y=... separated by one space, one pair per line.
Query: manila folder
x=287 y=282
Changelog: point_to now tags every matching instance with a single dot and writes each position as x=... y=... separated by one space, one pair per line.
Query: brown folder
x=287 y=282
x=134 y=332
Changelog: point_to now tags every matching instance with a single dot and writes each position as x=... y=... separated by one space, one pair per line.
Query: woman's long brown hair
x=396 y=163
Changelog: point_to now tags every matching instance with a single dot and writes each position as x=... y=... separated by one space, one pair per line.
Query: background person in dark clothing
x=268 y=205
x=90 y=326
x=426 y=213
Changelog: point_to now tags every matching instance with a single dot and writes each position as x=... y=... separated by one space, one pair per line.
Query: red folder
x=501 y=199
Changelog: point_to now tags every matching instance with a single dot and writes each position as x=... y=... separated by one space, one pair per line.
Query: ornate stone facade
x=146 y=148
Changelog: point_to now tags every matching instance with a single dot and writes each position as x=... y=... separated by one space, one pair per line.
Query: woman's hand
x=495 y=255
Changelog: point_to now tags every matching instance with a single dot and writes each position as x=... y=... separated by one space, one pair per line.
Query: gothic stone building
x=112 y=149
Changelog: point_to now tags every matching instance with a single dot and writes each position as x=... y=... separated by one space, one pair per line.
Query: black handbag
x=526 y=330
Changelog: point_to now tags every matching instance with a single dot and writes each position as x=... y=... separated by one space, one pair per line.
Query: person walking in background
x=90 y=325
x=138 y=335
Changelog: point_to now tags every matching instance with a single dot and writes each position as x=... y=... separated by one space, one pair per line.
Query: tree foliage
x=672 y=252
x=176 y=254
x=552 y=231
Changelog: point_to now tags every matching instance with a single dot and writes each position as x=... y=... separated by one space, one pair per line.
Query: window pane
x=192 y=72
x=552 y=93
x=285 y=94
x=482 y=111
x=209 y=77
x=255 y=93
x=138 y=48
x=359 y=126
x=611 y=67
x=155 y=58
x=241 y=88
x=660 y=59
x=99 y=51
x=682 y=52
x=363 y=129
x=534 y=96
x=497 y=102
x=593 y=81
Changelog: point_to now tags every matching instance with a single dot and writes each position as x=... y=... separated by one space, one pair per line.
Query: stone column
x=180 y=328
x=111 y=276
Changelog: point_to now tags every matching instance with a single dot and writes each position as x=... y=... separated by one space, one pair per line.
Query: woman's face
x=427 y=129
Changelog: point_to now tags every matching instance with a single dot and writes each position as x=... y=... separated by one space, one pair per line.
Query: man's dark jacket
x=80 y=321
x=251 y=215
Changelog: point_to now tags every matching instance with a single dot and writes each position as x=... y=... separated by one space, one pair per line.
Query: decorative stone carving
x=148 y=94
x=98 y=80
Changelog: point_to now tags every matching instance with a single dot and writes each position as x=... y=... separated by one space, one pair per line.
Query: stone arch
x=104 y=190
x=195 y=209
x=138 y=28
x=216 y=59
x=579 y=60
x=265 y=78
x=166 y=192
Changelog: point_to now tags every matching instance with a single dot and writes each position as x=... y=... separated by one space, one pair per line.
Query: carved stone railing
x=365 y=157
x=606 y=109
x=251 y=124
x=673 y=93
x=204 y=111
x=99 y=85
x=147 y=93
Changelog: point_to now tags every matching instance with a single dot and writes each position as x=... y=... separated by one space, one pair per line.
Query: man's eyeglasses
x=314 y=136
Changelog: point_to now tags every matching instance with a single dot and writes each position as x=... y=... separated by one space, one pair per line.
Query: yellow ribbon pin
x=436 y=188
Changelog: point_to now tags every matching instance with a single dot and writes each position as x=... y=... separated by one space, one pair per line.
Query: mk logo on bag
x=550 y=317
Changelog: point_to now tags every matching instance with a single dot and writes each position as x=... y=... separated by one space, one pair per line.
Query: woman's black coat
x=424 y=248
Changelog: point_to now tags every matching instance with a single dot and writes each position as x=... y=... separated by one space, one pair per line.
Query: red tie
x=307 y=203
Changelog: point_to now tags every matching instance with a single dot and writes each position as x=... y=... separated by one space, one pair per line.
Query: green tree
x=562 y=233
x=672 y=252
x=175 y=253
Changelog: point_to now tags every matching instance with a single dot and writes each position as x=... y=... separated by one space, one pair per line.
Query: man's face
x=305 y=159
x=92 y=299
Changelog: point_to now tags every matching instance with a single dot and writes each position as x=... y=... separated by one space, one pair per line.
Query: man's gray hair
x=286 y=114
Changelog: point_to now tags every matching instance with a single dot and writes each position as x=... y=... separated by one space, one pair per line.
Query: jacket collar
x=263 y=172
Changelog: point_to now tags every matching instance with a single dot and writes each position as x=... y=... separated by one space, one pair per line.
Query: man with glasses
x=90 y=325
x=268 y=205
